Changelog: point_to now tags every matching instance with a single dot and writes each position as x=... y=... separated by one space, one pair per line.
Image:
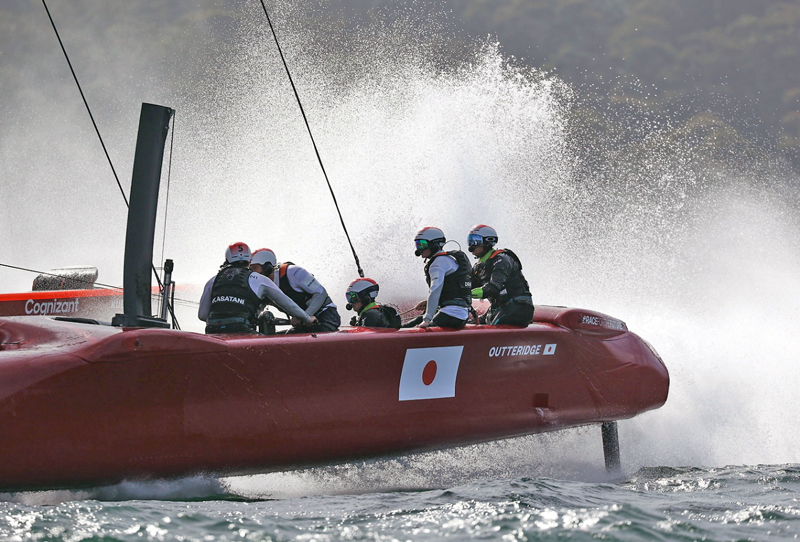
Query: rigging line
x=184 y=301
x=57 y=275
x=308 y=127
x=162 y=287
x=91 y=116
x=96 y=129
x=169 y=178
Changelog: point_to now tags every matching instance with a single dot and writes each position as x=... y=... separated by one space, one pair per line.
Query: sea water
x=700 y=260
x=757 y=502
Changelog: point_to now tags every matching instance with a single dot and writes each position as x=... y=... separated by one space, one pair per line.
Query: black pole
x=136 y=298
x=611 y=447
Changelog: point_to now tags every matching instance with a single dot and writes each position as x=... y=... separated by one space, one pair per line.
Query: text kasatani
x=228 y=299
x=523 y=350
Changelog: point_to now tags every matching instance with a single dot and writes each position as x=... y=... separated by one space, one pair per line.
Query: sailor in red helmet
x=449 y=277
x=498 y=277
x=232 y=298
x=304 y=290
x=361 y=297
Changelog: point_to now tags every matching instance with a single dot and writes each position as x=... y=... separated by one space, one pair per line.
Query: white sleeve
x=205 y=300
x=300 y=279
x=265 y=288
x=439 y=269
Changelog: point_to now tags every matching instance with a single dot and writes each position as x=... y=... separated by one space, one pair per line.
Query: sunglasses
x=352 y=297
x=421 y=244
x=474 y=240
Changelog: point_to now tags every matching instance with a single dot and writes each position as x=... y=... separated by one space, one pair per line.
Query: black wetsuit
x=504 y=285
x=372 y=316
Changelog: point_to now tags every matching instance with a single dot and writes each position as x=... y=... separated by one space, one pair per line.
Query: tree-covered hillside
x=727 y=68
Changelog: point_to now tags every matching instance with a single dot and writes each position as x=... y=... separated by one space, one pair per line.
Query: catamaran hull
x=84 y=404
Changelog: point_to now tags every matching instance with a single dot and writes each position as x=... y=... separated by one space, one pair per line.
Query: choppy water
x=656 y=503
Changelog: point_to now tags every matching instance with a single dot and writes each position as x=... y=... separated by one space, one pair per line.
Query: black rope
x=102 y=143
x=308 y=127
x=169 y=178
x=86 y=104
x=57 y=275
x=170 y=303
x=186 y=301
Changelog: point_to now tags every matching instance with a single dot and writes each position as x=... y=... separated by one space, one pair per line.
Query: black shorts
x=513 y=314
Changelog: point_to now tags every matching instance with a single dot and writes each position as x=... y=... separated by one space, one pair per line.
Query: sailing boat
x=83 y=403
x=87 y=404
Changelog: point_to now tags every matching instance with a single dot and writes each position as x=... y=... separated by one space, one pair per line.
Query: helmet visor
x=352 y=297
x=421 y=244
x=474 y=240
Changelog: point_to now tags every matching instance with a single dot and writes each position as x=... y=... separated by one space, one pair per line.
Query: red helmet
x=237 y=252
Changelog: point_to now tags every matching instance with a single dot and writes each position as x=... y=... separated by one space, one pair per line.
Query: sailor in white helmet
x=498 y=277
x=304 y=290
x=362 y=297
x=231 y=299
x=449 y=277
x=263 y=262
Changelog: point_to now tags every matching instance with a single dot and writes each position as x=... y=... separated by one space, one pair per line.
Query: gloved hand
x=477 y=292
x=353 y=321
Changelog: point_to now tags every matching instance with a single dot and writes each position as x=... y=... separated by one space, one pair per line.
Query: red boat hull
x=84 y=404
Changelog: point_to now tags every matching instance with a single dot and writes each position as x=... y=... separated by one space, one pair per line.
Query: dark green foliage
x=735 y=61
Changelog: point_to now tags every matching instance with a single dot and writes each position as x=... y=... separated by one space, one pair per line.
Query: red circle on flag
x=429 y=373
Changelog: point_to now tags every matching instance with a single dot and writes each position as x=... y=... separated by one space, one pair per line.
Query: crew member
x=498 y=276
x=306 y=291
x=263 y=262
x=361 y=297
x=449 y=277
x=231 y=299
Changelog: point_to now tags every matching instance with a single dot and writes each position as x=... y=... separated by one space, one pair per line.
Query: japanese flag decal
x=430 y=373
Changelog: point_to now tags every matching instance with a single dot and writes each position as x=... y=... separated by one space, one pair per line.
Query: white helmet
x=364 y=290
x=481 y=236
x=264 y=256
x=237 y=252
x=432 y=238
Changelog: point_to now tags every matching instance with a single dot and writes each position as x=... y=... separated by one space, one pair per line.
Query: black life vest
x=380 y=316
x=232 y=298
x=515 y=285
x=457 y=288
x=301 y=298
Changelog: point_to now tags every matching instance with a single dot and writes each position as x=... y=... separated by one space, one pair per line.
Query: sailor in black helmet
x=361 y=297
x=498 y=277
x=232 y=298
x=449 y=277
